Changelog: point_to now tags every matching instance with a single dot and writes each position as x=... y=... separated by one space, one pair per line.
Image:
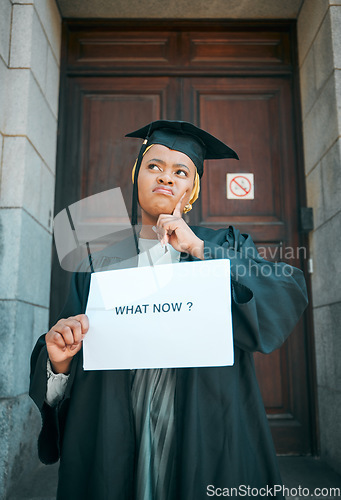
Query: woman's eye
x=152 y=166
x=182 y=172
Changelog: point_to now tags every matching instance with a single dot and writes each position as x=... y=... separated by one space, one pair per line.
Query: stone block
x=24 y=430
x=16 y=338
x=329 y=423
x=22 y=349
x=315 y=196
x=31 y=484
x=25 y=266
x=335 y=315
x=320 y=126
x=324 y=347
x=51 y=21
x=1 y=149
x=8 y=310
x=52 y=82
x=10 y=228
x=200 y=9
x=331 y=180
x=16 y=97
x=308 y=24
x=24 y=324
x=325 y=251
x=307 y=83
x=335 y=16
x=4 y=448
x=21 y=36
x=41 y=323
x=3 y=94
x=26 y=181
x=12 y=181
x=21 y=424
x=337 y=75
x=46 y=200
x=39 y=52
x=42 y=125
x=35 y=263
x=323 y=53
x=20 y=180
x=5 y=28
x=29 y=114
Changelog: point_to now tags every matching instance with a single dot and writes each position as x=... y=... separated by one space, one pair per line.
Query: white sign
x=171 y=315
x=240 y=187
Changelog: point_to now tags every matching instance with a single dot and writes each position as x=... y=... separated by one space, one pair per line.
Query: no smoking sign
x=240 y=187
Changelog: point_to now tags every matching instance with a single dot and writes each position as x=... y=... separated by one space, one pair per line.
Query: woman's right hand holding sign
x=64 y=340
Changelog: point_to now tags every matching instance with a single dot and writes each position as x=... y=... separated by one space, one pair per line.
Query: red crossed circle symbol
x=243 y=183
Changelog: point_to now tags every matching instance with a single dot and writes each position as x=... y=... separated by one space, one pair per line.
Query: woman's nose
x=165 y=178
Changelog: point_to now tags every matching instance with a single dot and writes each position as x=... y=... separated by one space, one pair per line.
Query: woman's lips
x=163 y=190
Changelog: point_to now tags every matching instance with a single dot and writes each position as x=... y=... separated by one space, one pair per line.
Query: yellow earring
x=187 y=208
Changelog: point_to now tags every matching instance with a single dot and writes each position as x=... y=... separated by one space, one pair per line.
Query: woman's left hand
x=174 y=230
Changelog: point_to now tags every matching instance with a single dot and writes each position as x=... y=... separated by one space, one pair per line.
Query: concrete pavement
x=307 y=472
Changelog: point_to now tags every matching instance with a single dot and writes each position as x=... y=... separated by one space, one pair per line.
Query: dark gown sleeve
x=268 y=298
x=53 y=417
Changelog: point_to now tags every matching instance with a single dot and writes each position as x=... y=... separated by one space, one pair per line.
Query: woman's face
x=165 y=175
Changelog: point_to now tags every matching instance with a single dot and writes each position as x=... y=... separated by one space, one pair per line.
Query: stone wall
x=319 y=44
x=30 y=36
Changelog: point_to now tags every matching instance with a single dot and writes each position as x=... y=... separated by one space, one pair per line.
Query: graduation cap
x=181 y=136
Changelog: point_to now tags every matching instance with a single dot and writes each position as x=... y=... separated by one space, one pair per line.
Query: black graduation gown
x=222 y=435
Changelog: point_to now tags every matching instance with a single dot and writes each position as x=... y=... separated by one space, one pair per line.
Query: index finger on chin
x=177 y=209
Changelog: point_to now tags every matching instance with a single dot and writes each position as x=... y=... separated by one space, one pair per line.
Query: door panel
x=112 y=107
x=251 y=115
x=246 y=114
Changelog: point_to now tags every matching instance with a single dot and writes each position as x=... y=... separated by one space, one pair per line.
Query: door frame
x=73 y=67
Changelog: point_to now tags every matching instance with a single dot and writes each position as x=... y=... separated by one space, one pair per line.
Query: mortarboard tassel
x=135 y=189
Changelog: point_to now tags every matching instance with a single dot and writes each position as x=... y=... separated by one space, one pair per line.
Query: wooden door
x=115 y=80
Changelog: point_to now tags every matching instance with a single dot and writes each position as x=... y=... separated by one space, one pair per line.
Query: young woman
x=166 y=434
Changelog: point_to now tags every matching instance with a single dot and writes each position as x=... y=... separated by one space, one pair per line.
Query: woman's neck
x=146 y=231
